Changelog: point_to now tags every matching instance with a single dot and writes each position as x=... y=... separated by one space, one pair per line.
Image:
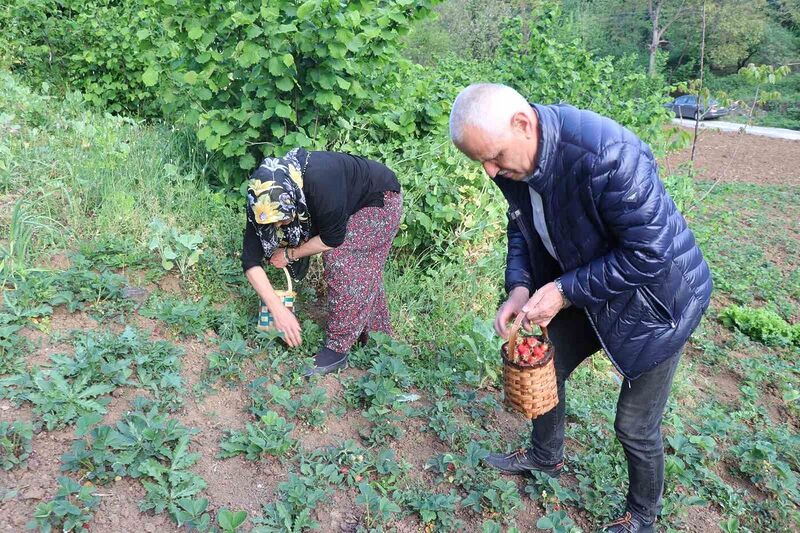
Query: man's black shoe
x=520 y=463
x=628 y=524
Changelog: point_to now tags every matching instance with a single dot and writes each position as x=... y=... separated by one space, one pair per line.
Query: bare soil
x=742 y=158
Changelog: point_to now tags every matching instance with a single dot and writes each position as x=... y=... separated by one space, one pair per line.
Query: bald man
x=597 y=251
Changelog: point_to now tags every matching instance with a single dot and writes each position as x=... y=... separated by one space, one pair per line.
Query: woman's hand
x=278 y=259
x=287 y=323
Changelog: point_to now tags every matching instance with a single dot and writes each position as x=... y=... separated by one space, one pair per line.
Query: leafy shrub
x=547 y=70
x=762 y=325
x=174 y=248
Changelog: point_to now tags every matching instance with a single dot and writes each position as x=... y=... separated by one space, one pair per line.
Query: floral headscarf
x=274 y=194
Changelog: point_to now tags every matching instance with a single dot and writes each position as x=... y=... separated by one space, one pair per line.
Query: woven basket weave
x=266 y=322
x=531 y=390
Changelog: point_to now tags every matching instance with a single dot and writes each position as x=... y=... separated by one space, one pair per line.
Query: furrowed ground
x=136 y=398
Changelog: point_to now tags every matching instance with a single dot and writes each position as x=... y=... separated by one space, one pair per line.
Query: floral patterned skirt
x=353 y=273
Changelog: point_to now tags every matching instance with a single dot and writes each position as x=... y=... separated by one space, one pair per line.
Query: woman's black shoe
x=325 y=362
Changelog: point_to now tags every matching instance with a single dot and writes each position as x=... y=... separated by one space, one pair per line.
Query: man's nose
x=490 y=168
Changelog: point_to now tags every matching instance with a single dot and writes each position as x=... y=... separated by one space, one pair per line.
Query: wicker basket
x=266 y=322
x=531 y=390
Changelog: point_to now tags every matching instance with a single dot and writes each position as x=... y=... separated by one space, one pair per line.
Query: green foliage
x=557 y=522
x=226 y=362
x=143 y=435
x=57 y=400
x=269 y=437
x=762 y=325
x=71 y=508
x=148 y=445
x=171 y=487
x=75 y=386
x=294 y=507
x=174 y=248
x=15 y=251
x=15 y=443
x=185 y=317
x=681 y=186
x=229 y=521
x=12 y=345
x=298 y=72
x=191 y=512
x=379 y=509
x=308 y=407
x=436 y=510
x=576 y=76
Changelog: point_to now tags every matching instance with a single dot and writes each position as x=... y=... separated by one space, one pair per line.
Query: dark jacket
x=336 y=186
x=625 y=253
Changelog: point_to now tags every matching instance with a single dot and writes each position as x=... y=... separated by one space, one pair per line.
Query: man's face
x=511 y=155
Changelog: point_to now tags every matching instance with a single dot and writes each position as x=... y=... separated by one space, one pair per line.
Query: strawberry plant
x=143 y=434
x=98 y=458
x=267 y=437
x=58 y=401
x=292 y=511
x=229 y=521
x=353 y=464
x=99 y=293
x=168 y=484
x=309 y=407
x=499 y=500
x=443 y=422
x=71 y=509
x=98 y=356
x=379 y=509
x=558 y=522
x=15 y=443
x=437 y=511
x=463 y=471
x=385 y=425
x=226 y=362
x=192 y=513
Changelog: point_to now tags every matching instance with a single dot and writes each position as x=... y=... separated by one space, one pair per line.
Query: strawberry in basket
x=529 y=351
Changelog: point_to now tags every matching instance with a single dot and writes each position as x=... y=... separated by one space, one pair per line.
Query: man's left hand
x=278 y=259
x=544 y=305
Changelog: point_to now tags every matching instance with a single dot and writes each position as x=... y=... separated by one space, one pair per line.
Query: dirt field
x=245 y=485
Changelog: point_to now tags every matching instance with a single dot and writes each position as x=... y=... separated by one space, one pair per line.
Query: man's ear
x=523 y=123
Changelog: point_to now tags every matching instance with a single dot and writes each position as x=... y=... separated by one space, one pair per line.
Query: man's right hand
x=516 y=299
x=287 y=323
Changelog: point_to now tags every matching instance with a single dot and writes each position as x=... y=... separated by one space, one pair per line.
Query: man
x=598 y=252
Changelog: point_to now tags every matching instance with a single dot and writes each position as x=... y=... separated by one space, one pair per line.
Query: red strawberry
x=523 y=350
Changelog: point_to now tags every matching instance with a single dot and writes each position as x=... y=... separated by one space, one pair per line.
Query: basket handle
x=288 y=279
x=512 y=337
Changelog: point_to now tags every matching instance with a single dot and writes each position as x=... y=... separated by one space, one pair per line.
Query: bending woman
x=345 y=207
